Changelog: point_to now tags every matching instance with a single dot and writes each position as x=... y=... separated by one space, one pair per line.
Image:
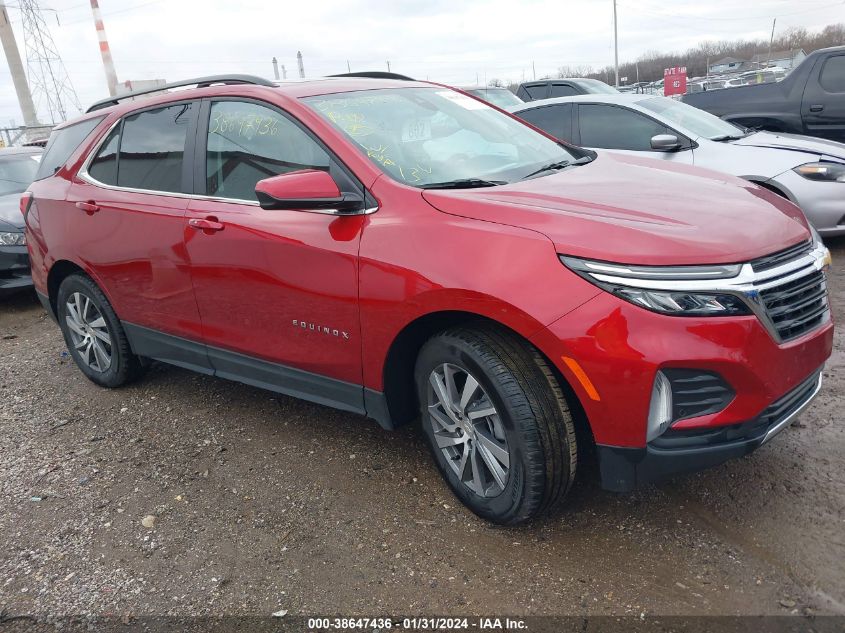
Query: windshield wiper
x=558 y=165
x=463 y=183
x=728 y=137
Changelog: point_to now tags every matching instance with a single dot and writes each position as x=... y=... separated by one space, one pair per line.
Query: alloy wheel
x=89 y=332
x=468 y=430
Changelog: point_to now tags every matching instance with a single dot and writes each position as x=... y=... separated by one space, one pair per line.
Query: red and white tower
x=108 y=63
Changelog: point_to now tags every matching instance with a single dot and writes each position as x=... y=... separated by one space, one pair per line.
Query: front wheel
x=496 y=422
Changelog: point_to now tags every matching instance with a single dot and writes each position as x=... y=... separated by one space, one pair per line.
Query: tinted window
x=554 y=119
x=248 y=143
x=563 y=90
x=832 y=78
x=610 y=127
x=152 y=148
x=61 y=145
x=17 y=172
x=104 y=166
x=536 y=92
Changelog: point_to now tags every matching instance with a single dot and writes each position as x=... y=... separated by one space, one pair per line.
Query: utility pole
x=276 y=69
x=46 y=72
x=13 y=56
x=105 y=51
x=533 y=70
x=772 y=39
x=299 y=62
x=388 y=65
x=615 y=45
x=348 y=67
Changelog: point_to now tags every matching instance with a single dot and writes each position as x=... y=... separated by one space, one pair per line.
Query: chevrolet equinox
x=399 y=249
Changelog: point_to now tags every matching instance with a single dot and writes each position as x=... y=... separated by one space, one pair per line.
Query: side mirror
x=306 y=190
x=665 y=143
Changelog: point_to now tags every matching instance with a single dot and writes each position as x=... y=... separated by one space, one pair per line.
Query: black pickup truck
x=810 y=100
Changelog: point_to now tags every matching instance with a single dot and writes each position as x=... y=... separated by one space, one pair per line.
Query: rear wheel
x=93 y=333
x=497 y=423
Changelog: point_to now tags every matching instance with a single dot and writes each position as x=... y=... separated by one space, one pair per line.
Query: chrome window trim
x=747 y=285
x=788 y=419
x=84 y=175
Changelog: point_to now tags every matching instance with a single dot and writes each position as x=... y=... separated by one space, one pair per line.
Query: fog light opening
x=660 y=408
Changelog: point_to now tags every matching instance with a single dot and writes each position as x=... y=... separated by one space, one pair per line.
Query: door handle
x=206 y=225
x=816 y=108
x=89 y=207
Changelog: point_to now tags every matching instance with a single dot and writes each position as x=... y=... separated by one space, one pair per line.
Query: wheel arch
x=59 y=271
x=400 y=391
x=772 y=186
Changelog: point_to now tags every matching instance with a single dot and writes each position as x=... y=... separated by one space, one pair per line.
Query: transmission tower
x=48 y=78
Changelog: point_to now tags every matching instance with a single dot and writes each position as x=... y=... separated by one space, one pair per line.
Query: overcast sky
x=452 y=41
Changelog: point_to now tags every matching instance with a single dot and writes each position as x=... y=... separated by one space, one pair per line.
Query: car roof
x=20 y=151
x=621 y=98
x=293 y=89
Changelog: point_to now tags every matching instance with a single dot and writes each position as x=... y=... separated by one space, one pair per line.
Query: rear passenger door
x=602 y=126
x=823 y=105
x=128 y=210
x=277 y=290
x=553 y=119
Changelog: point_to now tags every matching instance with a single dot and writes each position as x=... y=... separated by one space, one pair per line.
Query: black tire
x=124 y=365
x=538 y=426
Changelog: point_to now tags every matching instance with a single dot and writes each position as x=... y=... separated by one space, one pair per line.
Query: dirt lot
x=264 y=503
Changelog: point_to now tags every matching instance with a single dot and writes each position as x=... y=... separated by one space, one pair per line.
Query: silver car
x=808 y=171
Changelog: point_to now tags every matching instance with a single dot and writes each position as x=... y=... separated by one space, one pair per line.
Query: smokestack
x=284 y=72
x=276 y=68
x=108 y=64
x=13 y=56
x=301 y=67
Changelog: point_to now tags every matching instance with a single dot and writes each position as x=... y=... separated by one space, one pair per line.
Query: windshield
x=697 y=121
x=594 y=86
x=17 y=173
x=423 y=136
x=501 y=97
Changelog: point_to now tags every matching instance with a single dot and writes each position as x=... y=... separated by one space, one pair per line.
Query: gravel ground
x=186 y=495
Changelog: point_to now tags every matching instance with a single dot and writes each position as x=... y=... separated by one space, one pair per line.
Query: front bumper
x=14 y=269
x=624 y=469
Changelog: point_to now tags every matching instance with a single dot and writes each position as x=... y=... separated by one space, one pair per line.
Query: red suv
x=400 y=249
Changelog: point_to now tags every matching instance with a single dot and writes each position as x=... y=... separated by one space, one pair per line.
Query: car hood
x=795 y=143
x=10 y=213
x=640 y=211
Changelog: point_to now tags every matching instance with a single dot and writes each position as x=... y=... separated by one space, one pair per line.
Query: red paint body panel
x=270 y=283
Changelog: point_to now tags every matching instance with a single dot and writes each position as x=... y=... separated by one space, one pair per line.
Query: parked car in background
x=808 y=171
x=809 y=100
x=549 y=88
x=405 y=251
x=18 y=166
x=501 y=97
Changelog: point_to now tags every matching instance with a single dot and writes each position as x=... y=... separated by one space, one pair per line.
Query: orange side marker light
x=582 y=377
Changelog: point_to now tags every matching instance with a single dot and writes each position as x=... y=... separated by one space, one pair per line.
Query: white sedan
x=808 y=171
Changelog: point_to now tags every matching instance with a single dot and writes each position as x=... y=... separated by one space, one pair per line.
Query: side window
x=611 y=127
x=62 y=144
x=152 y=148
x=554 y=119
x=832 y=77
x=563 y=90
x=536 y=91
x=249 y=142
x=104 y=166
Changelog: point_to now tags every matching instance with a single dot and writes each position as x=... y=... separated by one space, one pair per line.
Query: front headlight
x=12 y=239
x=825 y=172
x=626 y=282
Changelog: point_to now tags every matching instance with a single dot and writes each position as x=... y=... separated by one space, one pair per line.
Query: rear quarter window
x=62 y=144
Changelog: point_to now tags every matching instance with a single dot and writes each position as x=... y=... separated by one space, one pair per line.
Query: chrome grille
x=797 y=306
x=781 y=257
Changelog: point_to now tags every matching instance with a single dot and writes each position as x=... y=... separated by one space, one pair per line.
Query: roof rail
x=376 y=74
x=201 y=82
